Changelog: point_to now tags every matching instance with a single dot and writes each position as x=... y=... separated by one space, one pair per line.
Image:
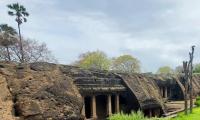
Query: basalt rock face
x=6 y=103
x=145 y=90
x=38 y=91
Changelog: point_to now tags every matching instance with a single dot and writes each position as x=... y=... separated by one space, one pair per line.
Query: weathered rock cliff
x=38 y=91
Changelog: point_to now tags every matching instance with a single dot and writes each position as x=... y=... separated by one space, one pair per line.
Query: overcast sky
x=157 y=32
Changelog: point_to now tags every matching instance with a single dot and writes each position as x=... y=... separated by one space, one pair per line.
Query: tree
x=126 y=64
x=4 y=28
x=94 y=60
x=20 y=12
x=196 y=68
x=33 y=52
x=7 y=38
x=165 y=70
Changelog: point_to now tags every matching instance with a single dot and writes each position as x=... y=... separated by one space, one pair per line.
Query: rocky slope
x=38 y=91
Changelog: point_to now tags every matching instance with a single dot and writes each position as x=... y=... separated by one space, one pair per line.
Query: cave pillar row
x=109 y=105
x=94 y=108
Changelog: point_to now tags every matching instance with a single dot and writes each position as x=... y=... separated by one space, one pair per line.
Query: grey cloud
x=157 y=32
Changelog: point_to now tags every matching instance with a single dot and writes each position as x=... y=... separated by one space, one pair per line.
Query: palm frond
x=22 y=8
x=10 y=6
x=11 y=13
x=16 y=6
x=25 y=13
x=25 y=20
x=19 y=11
x=19 y=14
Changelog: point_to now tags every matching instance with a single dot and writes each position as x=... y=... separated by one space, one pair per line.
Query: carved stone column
x=93 y=105
x=117 y=103
x=166 y=92
x=83 y=109
x=150 y=113
x=161 y=91
x=109 y=105
x=170 y=93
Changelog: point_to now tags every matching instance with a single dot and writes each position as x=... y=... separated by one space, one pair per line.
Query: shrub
x=198 y=98
x=197 y=103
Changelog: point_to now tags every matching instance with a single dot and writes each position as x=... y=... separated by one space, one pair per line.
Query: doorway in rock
x=128 y=102
x=88 y=107
x=177 y=93
x=101 y=102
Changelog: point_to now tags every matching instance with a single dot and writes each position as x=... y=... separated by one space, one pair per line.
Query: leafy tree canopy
x=19 y=11
x=7 y=35
x=165 y=70
x=126 y=64
x=94 y=60
x=4 y=28
x=196 y=68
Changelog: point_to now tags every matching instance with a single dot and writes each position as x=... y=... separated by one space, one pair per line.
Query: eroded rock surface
x=39 y=91
x=6 y=103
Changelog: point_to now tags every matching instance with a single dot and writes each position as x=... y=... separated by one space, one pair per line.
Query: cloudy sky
x=157 y=32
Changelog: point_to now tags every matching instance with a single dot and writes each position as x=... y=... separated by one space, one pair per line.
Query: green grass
x=133 y=116
x=197 y=103
x=140 y=116
x=194 y=116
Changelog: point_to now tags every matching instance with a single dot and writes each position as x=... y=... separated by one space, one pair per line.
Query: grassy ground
x=139 y=115
x=194 y=116
x=133 y=116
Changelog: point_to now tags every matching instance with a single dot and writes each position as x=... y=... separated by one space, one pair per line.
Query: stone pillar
x=150 y=113
x=117 y=103
x=109 y=105
x=161 y=91
x=93 y=105
x=83 y=109
x=170 y=93
x=165 y=92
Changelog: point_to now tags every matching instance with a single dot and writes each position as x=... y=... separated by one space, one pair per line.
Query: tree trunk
x=191 y=96
x=191 y=85
x=21 y=46
x=185 y=67
x=185 y=97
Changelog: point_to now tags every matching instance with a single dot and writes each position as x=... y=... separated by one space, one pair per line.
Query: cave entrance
x=128 y=102
x=101 y=103
x=88 y=107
